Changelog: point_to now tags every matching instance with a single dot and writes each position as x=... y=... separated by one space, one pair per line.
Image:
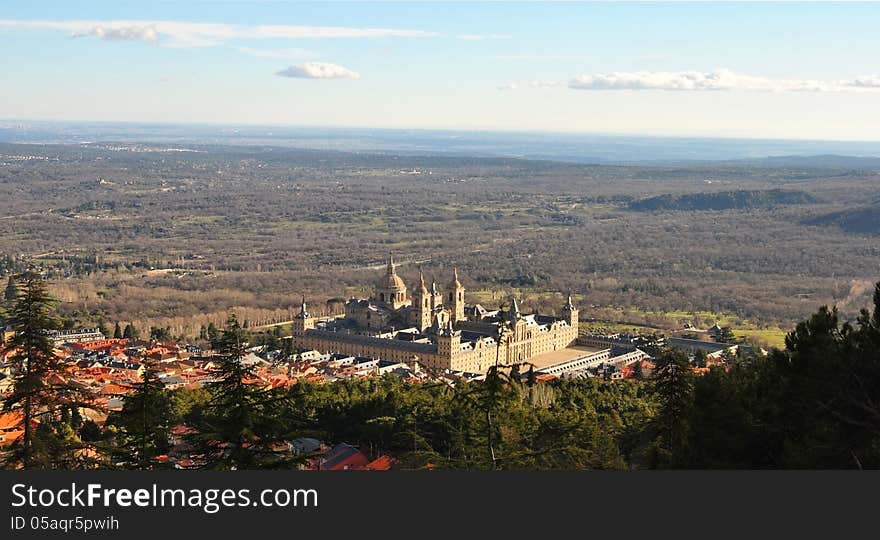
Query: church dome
x=391 y=282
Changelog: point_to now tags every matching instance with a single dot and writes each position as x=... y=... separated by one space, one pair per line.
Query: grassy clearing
x=774 y=337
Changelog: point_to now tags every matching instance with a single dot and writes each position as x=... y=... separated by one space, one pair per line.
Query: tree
x=11 y=291
x=130 y=332
x=726 y=335
x=102 y=327
x=145 y=421
x=117 y=331
x=40 y=387
x=213 y=334
x=673 y=387
x=637 y=371
x=160 y=334
x=239 y=427
x=700 y=358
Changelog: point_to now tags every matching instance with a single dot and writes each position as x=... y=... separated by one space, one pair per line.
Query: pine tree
x=240 y=427
x=213 y=335
x=673 y=388
x=102 y=327
x=11 y=291
x=117 y=331
x=145 y=421
x=130 y=332
x=40 y=387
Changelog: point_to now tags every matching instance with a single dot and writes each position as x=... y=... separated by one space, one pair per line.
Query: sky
x=783 y=70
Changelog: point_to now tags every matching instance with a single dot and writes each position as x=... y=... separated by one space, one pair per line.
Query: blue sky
x=786 y=70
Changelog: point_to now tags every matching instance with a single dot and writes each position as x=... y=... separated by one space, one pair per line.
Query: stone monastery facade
x=435 y=328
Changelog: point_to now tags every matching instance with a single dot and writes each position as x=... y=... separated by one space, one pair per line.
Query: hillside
x=724 y=200
x=861 y=220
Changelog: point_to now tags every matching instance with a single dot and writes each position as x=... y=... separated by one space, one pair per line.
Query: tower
x=436 y=296
x=422 y=305
x=303 y=320
x=449 y=345
x=456 y=298
x=390 y=290
x=570 y=313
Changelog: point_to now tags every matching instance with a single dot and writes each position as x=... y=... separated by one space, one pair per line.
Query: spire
x=303 y=312
x=514 y=311
x=456 y=284
x=435 y=324
x=422 y=287
x=390 y=264
x=433 y=287
x=569 y=305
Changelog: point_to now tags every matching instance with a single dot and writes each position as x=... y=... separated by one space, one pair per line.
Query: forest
x=179 y=236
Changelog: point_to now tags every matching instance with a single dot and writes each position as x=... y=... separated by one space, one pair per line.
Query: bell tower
x=449 y=345
x=422 y=304
x=303 y=320
x=456 y=298
x=570 y=313
x=436 y=296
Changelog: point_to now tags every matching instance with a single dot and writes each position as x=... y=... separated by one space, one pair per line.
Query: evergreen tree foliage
x=673 y=388
x=144 y=424
x=11 y=291
x=49 y=402
x=240 y=427
x=130 y=332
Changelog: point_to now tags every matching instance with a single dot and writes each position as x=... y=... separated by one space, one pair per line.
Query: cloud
x=276 y=53
x=122 y=33
x=318 y=70
x=198 y=34
x=530 y=84
x=544 y=84
x=868 y=81
x=482 y=37
x=718 y=80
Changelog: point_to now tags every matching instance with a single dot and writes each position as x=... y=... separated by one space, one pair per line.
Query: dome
x=391 y=282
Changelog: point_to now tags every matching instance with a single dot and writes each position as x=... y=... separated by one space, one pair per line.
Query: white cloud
x=868 y=81
x=718 y=80
x=276 y=53
x=318 y=70
x=530 y=84
x=482 y=37
x=197 y=34
x=544 y=84
x=122 y=33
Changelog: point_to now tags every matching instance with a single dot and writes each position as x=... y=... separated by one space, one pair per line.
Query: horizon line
x=663 y=135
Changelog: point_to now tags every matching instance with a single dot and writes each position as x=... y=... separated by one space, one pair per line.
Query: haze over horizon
x=758 y=71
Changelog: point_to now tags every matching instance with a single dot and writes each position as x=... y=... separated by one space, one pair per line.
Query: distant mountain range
x=577 y=148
